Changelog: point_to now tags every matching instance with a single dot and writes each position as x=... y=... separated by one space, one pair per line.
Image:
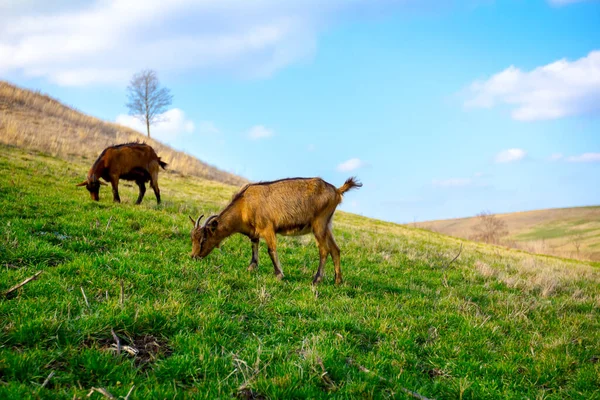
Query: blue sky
x=442 y=109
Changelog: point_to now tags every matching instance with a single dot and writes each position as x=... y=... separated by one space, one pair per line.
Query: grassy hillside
x=493 y=324
x=564 y=232
x=35 y=121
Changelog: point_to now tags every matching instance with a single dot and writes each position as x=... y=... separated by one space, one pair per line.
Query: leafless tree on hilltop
x=147 y=100
x=489 y=229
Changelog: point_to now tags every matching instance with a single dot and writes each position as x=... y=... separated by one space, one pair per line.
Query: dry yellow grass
x=540 y=275
x=36 y=121
x=563 y=232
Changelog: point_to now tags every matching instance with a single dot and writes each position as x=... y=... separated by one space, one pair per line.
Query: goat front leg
x=114 y=181
x=254 y=262
x=272 y=246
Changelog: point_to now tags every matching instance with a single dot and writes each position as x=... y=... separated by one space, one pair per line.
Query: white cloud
x=585 y=157
x=556 y=157
x=452 y=182
x=173 y=124
x=105 y=41
x=259 y=132
x=351 y=165
x=560 y=89
x=564 y=2
x=208 y=128
x=510 y=155
x=477 y=181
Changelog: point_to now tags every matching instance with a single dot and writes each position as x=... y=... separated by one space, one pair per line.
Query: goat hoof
x=317 y=279
x=252 y=267
x=338 y=281
x=279 y=276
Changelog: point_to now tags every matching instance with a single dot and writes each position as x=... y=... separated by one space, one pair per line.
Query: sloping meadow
x=120 y=309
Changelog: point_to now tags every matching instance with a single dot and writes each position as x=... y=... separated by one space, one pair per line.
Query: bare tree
x=147 y=100
x=489 y=229
x=577 y=241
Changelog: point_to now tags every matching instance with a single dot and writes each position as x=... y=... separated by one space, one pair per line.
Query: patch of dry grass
x=35 y=121
x=544 y=276
x=563 y=232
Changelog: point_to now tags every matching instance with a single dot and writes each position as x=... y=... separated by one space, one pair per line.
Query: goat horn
x=192 y=219
x=103 y=183
x=82 y=184
x=198 y=221
x=210 y=219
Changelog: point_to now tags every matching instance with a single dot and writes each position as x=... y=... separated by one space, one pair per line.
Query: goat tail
x=350 y=183
x=162 y=163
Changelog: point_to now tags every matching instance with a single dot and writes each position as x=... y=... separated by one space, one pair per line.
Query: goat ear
x=213 y=225
x=82 y=184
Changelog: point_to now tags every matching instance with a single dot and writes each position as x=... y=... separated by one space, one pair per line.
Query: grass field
x=564 y=232
x=495 y=323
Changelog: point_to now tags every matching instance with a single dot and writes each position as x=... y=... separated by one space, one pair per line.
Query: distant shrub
x=489 y=229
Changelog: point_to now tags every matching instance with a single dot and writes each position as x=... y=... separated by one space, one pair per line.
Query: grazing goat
x=295 y=206
x=130 y=161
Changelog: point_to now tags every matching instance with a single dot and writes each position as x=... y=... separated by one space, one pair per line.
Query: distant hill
x=565 y=232
x=35 y=121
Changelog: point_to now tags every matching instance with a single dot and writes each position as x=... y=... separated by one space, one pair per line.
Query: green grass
x=496 y=323
x=553 y=232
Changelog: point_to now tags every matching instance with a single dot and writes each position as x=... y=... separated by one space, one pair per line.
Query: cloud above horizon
x=258 y=132
x=510 y=155
x=556 y=90
x=208 y=128
x=585 y=157
x=565 y=2
x=556 y=157
x=452 y=182
x=351 y=165
x=477 y=180
x=105 y=41
x=173 y=124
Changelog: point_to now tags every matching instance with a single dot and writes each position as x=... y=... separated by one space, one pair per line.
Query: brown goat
x=130 y=161
x=295 y=206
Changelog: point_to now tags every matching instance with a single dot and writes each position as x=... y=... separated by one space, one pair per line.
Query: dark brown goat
x=130 y=161
x=294 y=206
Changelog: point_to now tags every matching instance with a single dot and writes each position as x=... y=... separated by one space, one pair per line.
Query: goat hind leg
x=272 y=246
x=154 y=184
x=142 y=187
x=323 y=253
x=335 y=255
